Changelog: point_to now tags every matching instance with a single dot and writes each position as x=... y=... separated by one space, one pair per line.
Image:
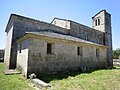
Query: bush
x=116 y=53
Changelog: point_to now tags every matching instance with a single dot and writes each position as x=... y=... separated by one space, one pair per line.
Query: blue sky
x=45 y=10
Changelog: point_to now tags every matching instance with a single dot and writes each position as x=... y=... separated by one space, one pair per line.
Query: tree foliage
x=116 y=53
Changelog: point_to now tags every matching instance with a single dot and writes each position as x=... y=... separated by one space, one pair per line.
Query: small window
x=97 y=52
x=80 y=51
x=98 y=21
x=49 y=48
x=20 y=47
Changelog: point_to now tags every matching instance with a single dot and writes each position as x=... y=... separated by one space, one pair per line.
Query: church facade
x=44 y=48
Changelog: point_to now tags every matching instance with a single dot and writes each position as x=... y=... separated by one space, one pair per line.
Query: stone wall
x=81 y=31
x=22 y=56
x=17 y=28
x=101 y=34
x=61 y=23
x=86 y=33
x=8 y=46
x=64 y=56
x=22 y=25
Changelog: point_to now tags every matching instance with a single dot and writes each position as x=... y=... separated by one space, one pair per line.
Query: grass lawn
x=97 y=80
x=12 y=82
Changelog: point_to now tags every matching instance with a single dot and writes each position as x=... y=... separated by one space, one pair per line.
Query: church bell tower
x=102 y=22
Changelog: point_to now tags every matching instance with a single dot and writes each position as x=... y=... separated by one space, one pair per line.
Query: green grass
x=12 y=82
x=96 y=80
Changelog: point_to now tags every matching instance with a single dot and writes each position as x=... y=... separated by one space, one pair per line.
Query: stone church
x=39 y=47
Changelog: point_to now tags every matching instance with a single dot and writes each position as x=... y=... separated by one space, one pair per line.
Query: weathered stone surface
x=64 y=56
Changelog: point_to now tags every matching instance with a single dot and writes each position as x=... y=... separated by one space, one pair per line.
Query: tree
x=116 y=53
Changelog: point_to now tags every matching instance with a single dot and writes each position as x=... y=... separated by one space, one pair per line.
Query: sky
x=80 y=11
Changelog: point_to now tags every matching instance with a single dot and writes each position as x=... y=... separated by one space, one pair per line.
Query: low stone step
x=11 y=71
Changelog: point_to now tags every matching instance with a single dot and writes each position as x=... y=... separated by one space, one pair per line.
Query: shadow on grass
x=64 y=75
x=61 y=75
x=116 y=67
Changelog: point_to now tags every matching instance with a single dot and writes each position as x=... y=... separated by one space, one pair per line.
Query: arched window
x=87 y=37
x=98 y=21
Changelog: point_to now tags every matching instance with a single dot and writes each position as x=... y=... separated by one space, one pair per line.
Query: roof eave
x=99 y=13
x=29 y=33
x=9 y=22
x=59 y=19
